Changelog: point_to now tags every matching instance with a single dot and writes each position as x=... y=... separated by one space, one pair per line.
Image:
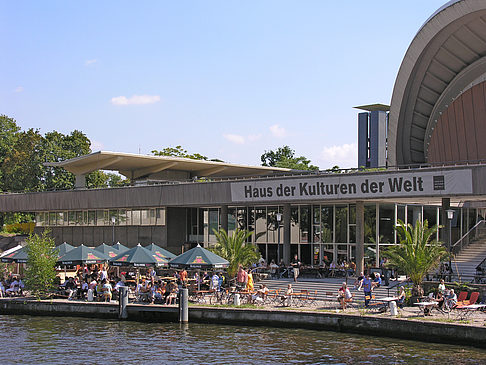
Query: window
x=160 y=217
x=341 y=224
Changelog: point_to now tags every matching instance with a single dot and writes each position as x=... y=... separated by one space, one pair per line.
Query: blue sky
x=227 y=79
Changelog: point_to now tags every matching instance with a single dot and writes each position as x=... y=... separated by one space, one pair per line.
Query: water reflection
x=33 y=340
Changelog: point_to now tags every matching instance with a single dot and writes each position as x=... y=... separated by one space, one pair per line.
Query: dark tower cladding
x=372 y=135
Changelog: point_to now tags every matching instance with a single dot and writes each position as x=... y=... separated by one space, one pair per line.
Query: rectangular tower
x=372 y=134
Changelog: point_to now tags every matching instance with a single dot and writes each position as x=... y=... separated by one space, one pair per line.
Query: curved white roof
x=447 y=54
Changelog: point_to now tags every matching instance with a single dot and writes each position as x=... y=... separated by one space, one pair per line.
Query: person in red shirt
x=183 y=277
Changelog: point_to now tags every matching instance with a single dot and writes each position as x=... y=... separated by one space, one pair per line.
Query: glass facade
x=122 y=217
x=318 y=232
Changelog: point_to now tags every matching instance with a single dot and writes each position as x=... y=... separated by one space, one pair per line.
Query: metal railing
x=468 y=237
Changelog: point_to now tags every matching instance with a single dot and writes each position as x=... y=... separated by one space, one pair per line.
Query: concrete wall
x=179 y=195
x=368 y=325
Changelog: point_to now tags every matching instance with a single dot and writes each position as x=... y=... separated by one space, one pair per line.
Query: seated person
x=106 y=289
x=2 y=289
x=14 y=287
x=440 y=299
x=288 y=295
x=344 y=296
x=401 y=297
x=451 y=299
x=377 y=280
x=118 y=284
x=70 y=288
x=83 y=289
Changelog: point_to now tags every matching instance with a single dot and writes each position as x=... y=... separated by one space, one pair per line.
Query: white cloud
x=135 y=100
x=19 y=89
x=97 y=146
x=344 y=156
x=90 y=62
x=254 y=137
x=278 y=131
x=235 y=138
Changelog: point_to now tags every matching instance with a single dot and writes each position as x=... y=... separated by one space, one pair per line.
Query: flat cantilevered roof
x=135 y=166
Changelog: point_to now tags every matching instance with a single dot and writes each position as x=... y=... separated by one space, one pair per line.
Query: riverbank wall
x=427 y=331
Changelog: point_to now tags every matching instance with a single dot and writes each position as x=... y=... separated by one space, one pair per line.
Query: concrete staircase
x=326 y=286
x=466 y=261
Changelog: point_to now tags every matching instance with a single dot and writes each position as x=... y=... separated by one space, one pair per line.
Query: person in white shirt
x=2 y=289
x=14 y=288
x=344 y=296
x=215 y=282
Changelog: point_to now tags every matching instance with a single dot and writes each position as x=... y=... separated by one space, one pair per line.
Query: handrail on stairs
x=460 y=241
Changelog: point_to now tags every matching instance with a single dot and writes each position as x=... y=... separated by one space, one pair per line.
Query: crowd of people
x=10 y=285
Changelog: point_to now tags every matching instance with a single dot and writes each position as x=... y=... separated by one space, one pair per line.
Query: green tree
x=60 y=147
x=42 y=256
x=178 y=151
x=417 y=253
x=285 y=157
x=22 y=164
x=235 y=249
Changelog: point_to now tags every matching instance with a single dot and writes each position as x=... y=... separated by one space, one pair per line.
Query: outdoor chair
x=472 y=300
x=462 y=297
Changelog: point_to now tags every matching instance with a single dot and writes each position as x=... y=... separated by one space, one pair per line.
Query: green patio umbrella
x=19 y=256
x=63 y=248
x=121 y=248
x=160 y=254
x=199 y=258
x=82 y=255
x=137 y=256
x=109 y=251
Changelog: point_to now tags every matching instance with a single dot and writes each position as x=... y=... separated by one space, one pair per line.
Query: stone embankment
x=318 y=320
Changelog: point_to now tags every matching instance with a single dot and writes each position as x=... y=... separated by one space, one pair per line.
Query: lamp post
x=450 y=216
x=279 y=219
x=113 y=220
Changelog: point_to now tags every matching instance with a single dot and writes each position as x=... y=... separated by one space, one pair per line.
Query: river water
x=66 y=340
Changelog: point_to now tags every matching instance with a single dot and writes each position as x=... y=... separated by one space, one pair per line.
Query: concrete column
x=184 y=305
x=286 y=233
x=123 y=302
x=223 y=218
x=80 y=182
x=359 y=237
x=444 y=232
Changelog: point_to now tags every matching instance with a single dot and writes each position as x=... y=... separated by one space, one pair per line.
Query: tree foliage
x=178 y=151
x=235 y=249
x=285 y=157
x=42 y=256
x=417 y=253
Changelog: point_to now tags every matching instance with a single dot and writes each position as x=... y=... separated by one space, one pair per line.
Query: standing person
x=367 y=286
x=249 y=282
x=183 y=277
x=296 y=266
x=442 y=287
x=242 y=277
x=215 y=282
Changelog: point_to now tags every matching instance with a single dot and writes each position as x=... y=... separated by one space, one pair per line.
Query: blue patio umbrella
x=19 y=256
x=137 y=256
x=83 y=255
x=121 y=248
x=63 y=248
x=109 y=251
x=199 y=258
x=160 y=254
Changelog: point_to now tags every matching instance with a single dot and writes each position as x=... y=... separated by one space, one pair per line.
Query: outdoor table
x=387 y=300
x=465 y=311
x=426 y=305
